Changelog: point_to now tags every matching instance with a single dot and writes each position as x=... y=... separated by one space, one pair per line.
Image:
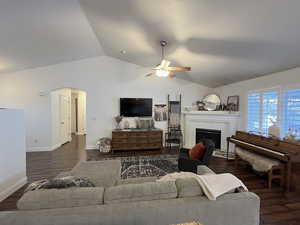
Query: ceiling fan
x=164 y=69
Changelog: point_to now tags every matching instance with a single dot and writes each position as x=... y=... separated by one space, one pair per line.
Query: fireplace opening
x=214 y=135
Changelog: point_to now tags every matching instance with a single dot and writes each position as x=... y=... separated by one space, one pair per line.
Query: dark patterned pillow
x=146 y=123
x=36 y=185
x=58 y=183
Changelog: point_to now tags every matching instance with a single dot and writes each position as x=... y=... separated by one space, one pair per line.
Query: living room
x=159 y=102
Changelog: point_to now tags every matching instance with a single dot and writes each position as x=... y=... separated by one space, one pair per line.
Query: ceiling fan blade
x=179 y=68
x=171 y=74
x=150 y=74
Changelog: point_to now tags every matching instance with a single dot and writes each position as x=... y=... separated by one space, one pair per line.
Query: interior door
x=63 y=115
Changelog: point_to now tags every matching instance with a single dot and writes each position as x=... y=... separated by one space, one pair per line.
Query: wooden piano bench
x=260 y=163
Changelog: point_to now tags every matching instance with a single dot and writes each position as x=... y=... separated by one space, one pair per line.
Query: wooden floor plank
x=294 y=206
x=274 y=209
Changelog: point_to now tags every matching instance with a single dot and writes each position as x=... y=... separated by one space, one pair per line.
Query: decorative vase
x=118 y=120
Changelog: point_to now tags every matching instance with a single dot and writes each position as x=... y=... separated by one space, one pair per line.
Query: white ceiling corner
x=37 y=33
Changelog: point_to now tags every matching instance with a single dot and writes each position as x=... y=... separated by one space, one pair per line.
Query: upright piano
x=286 y=152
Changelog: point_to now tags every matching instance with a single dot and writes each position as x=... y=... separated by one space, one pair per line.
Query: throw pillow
x=58 y=183
x=36 y=185
x=128 y=123
x=197 y=151
x=146 y=123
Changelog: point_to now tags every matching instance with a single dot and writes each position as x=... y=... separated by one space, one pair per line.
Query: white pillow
x=128 y=123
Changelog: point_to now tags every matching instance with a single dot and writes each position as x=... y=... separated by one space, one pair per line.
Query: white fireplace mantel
x=226 y=122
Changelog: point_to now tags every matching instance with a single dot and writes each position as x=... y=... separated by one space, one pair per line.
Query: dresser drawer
x=153 y=146
x=119 y=140
x=142 y=140
x=155 y=134
x=119 y=135
x=136 y=140
x=138 y=134
x=131 y=140
x=154 y=139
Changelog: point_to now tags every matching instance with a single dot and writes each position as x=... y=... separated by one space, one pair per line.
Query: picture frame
x=233 y=103
x=160 y=112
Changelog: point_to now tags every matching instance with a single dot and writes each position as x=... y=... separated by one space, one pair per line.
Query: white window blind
x=254 y=104
x=262 y=111
x=292 y=112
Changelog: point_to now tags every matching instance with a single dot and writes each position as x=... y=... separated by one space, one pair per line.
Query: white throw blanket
x=213 y=185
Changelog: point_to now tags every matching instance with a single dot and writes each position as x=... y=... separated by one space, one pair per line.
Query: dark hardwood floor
x=276 y=206
x=92 y=154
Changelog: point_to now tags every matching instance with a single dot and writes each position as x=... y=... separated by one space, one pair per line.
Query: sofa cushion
x=188 y=187
x=103 y=173
x=61 y=198
x=137 y=180
x=232 y=209
x=140 y=192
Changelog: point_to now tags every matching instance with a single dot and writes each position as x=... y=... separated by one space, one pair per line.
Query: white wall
x=104 y=79
x=12 y=152
x=288 y=78
x=21 y=90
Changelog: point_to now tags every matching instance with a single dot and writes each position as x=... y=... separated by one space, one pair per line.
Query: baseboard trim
x=55 y=147
x=39 y=149
x=43 y=149
x=90 y=147
x=10 y=190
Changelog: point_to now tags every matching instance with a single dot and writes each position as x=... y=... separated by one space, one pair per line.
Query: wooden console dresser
x=137 y=139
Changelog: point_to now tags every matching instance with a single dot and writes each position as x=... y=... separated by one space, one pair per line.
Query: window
x=291 y=122
x=254 y=103
x=262 y=111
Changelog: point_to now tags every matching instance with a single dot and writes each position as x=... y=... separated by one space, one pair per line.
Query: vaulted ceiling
x=36 y=33
x=223 y=41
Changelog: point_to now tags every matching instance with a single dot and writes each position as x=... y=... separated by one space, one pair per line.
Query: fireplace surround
x=227 y=123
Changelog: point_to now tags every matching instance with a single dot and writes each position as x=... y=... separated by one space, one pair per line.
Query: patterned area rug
x=145 y=166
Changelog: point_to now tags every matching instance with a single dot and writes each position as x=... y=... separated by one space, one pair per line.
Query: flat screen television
x=136 y=107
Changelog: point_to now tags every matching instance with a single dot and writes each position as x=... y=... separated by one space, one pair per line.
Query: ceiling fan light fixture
x=165 y=64
x=164 y=69
x=162 y=73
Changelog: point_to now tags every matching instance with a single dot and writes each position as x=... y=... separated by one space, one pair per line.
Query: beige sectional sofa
x=139 y=201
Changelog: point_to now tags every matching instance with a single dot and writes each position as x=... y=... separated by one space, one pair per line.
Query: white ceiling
x=224 y=41
x=36 y=33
